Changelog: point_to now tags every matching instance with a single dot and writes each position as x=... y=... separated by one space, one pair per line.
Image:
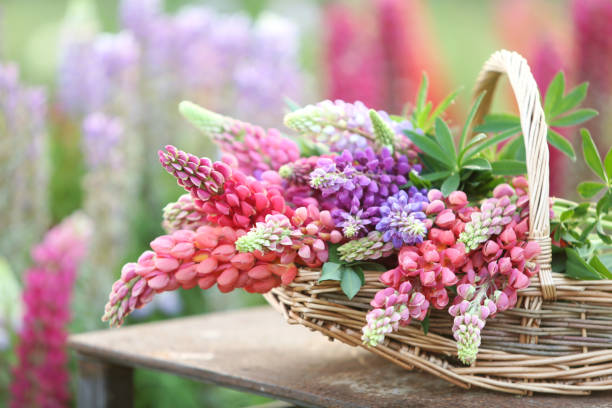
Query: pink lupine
x=41 y=376
x=226 y=195
x=186 y=259
x=254 y=149
x=183 y=214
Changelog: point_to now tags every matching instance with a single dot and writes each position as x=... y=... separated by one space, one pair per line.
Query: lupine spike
x=385 y=136
x=371 y=246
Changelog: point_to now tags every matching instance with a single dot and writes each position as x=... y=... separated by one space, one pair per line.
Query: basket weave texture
x=558 y=338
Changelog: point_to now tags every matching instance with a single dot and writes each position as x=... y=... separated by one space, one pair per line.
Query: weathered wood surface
x=256 y=351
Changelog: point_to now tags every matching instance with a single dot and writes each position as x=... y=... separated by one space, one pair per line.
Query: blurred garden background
x=89 y=92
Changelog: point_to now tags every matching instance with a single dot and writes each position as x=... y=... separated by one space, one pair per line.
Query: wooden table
x=254 y=350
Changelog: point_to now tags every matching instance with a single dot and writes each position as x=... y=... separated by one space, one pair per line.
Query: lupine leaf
x=574 y=118
x=333 y=253
x=561 y=143
x=571 y=100
x=422 y=93
x=425 y=324
x=419 y=181
x=608 y=164
x=509 y=167
x=477 y=163
x=498 y=122
x=331 y=271
x=591 y=155
x=588 y=189
x=491 y=142
x=554 y=93
x=596 y=263
x=351 y=281
x=291 y=104
x=450 y=184
x=430 y=148
x=441 y=108
x=438 y=175
x=577 y=268
x=468 y=122
x=445 y=139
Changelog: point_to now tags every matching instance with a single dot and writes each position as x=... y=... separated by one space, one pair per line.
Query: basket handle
x=533 y=125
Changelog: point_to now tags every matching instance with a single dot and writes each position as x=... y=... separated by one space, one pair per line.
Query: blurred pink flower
x=41 y=377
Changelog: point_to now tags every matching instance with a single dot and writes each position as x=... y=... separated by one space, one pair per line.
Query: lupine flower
x=371 y=246
x=183 y=214
x=352 y=55
x=302 y=239
x=494 y=214
x=24 y=181
x=255 y=149
x=41 y=376
x=362 y=180
x=186 y=259
x=391 y=309
x=402 y=218
x=345 y=126
x=228 y=197
x=353 y=225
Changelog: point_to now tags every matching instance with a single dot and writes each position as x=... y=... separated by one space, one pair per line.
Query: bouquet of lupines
x=351 y=188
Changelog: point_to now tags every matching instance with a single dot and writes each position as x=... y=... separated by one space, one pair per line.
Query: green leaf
x=554 y=93
x=566 y=215
x=577 y=268
x=596 y=263
x=445 y=139
x=475 y=140
x=450 y=184
x=511 y=149
x=608 y=164
x=419 y=181
x=291 y=104
x=508 y=167
x=469 y=119
x=494 y=141
x=370 y=266
x=438 y=175
x=441 y=108
x=425 y=324
x=574 y=118
x=571 y=100
x=430 y=148
x=499 y=122
x=604 y=203
x=477 y=164
x=422 y=93
x=588 y=189
x=351 y=281
x=591 y=155
x=561 y=143
x=333 y=254
x=331 y=271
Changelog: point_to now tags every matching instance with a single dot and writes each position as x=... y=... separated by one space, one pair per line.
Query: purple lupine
x=403 y=218
x=102 y=141
x=24 y=167
x=362 y=180
x=346 y=126
x=41 y=375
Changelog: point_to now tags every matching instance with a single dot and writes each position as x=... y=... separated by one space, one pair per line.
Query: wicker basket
x=558 y=338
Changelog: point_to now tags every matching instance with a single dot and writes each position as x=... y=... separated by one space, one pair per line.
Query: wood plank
x=256 y=351
x=104 y=385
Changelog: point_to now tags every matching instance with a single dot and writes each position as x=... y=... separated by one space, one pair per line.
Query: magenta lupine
x=41 y=375
x=226 y=195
